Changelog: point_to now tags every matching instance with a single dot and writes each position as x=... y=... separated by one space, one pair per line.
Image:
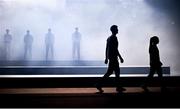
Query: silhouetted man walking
x=112 y=55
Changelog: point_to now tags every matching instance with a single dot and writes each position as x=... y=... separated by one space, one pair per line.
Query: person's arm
x=10 y=38
x=24 y=39
x=53 y=39
x=120 y=57
x=4 y=38
x=45 y=39
x=73 y=37
x=160 y=63
x=32 y=39
x=80 y=36
x=106 y=54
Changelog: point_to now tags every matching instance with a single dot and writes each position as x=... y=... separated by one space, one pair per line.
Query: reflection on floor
x=88 y=98
x=70 y=90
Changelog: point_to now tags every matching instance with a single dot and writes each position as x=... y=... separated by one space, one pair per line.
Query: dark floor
x=88 y=98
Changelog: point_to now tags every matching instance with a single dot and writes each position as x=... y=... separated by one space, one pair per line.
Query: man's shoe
x=163 y=89
x=145 y=88
x=120 y=89
x=99 y=89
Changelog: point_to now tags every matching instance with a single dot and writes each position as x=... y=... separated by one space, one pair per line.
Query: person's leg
x=152 y=72
x=25 y=52
x=148 y=79
x=52 y=52
x=6 y=51
x=47 y=51
x=119 y=88
x=30 y=51
x=78 y=51
x=103 y=79
x=160 y=76
x=159 y=72
x=73 y=50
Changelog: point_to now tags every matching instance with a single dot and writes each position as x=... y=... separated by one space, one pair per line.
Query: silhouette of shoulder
x=112 y=41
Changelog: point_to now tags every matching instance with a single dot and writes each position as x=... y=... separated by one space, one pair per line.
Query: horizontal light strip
x=66 y=66
x=64 y=76
x=51 y=66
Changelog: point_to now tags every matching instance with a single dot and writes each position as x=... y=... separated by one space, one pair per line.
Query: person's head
x=154 y=40
x=7 y=31
x=76 y=29
x=114 y=29
x=27 y=31
x=49 y=30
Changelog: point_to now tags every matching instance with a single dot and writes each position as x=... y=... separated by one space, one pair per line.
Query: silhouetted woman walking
x=155 y=63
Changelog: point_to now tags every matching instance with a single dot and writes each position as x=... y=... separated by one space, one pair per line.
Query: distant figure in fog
x=28 y=41
x=112 y=56
x=7 y=44
x=49 y=41
x=76 y=38
x=155 y=63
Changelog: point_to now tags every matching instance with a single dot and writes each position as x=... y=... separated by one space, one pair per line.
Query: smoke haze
x=138 y=20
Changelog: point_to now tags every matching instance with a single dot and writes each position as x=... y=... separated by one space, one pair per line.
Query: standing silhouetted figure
x=28 y=40
x=49 y=41
x=112 y=55
x=155 y=63
x=76 y=38
x=7 y=44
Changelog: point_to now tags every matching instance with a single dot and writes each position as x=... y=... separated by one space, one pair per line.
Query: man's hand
x=106 y=61
x=122 y=60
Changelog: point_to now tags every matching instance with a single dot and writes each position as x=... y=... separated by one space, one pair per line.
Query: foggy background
x=138 y=20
